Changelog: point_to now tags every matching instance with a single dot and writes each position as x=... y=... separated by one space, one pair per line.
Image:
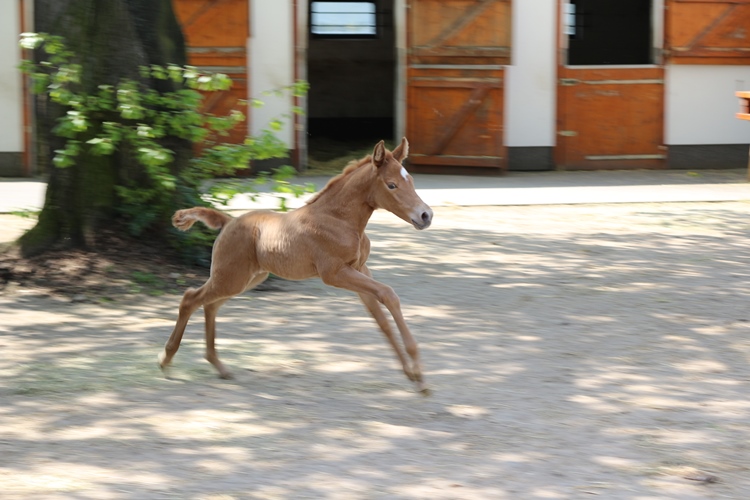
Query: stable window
x=608 y=32
x=343 y=19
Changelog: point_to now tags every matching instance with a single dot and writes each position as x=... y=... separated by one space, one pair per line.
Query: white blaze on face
x=404 y=174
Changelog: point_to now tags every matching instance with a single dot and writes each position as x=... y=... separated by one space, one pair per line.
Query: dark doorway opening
x=351 y=68
x=609 y=32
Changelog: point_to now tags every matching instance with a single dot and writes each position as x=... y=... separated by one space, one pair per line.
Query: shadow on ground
x=574 y=351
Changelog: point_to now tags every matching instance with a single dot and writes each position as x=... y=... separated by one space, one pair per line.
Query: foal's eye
x=391 y=185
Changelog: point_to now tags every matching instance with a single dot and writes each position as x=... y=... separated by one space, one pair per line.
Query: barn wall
x=11 y=91
x=701 y=105
x=531 y=78
x=271 y=54
x=701 y=128
x=531 y=86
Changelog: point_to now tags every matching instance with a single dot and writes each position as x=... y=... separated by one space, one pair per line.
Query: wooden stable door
x=216 y=34
x=456 y=53
x=610 y=118
x=610 y=95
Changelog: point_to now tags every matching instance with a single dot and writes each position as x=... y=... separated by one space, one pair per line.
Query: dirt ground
x=574 y=352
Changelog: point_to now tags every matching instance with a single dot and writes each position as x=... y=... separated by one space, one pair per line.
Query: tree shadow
x=572 y=350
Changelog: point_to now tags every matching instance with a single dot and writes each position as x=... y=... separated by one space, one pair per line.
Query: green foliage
x=135 y=118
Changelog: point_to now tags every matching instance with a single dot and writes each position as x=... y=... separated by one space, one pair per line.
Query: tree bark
x=111 y=39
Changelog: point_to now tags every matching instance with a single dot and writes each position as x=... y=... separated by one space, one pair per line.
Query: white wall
x=700 y=101
x=271 y=53
x=530 y=84
x=701 y=105
x=11 y=94
x=399 y=19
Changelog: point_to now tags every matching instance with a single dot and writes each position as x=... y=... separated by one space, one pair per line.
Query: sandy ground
x=574 y=351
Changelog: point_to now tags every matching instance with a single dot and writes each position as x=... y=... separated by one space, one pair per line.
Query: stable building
x=480 y=85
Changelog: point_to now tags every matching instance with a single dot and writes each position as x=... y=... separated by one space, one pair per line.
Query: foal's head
x=394 y=187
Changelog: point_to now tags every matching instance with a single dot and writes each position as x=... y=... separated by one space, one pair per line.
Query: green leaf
x=175 y=73
x=168 y=182
x=101 y=146
x=31 y=41
x=276 y=125
x=61 y=160
x=145 y=131
x=158 y=72
x=39 y=84
x=78 y=120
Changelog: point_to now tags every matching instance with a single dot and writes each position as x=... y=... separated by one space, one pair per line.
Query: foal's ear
x=402 y=151
x=378 y=154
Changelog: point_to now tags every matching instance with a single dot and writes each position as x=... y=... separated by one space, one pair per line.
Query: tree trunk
x=111 y=39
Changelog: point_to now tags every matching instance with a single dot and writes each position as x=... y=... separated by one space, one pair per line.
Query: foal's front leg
x=372 y=305
x=350 y=279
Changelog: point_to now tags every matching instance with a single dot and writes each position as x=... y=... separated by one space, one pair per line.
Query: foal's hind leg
x=191 y=301
x=218 y=289
x=210 y=311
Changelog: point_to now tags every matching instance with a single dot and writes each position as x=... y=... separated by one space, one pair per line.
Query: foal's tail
x=184 y=219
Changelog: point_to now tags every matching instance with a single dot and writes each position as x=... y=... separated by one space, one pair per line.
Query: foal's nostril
x=426 y=217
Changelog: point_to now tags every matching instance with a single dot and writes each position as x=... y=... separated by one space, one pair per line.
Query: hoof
x=226 y=376
x=423 y=389
x=163 y=365
x=165 y=371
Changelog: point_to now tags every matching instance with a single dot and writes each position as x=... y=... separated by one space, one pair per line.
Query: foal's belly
x=287 y=268
x=284 y=253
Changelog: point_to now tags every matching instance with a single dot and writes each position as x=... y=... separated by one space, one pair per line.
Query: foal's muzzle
x=424 y=221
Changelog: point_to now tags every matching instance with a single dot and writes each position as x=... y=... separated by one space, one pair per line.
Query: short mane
x=350 y=167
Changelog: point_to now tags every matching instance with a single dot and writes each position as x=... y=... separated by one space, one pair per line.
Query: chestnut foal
x=324 y=238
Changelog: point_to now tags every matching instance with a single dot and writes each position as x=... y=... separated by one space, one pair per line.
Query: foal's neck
x=351 y=200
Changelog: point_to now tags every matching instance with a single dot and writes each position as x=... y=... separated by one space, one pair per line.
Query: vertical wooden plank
x=27 y=157
x=216 y=34
x=299 y=148
x=456 y=52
